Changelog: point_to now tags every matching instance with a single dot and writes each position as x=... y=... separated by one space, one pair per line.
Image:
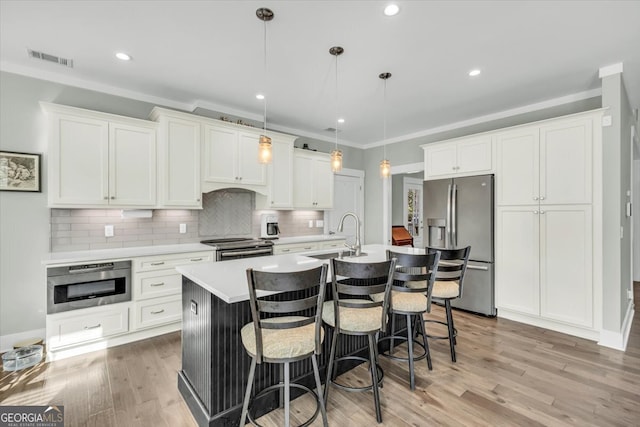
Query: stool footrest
x=441 y=337
x=357 y=389
x=281 y=385
x=387 y=353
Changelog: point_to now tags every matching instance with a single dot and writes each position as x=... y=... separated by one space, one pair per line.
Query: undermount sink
x=339 y=255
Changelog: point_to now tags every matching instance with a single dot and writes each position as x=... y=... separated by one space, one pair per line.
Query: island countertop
x=228 y=281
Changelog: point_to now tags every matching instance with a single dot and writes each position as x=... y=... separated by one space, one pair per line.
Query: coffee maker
x=269 y=226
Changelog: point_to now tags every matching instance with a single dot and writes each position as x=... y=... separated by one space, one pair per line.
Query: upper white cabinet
x=280 y=174
x=98 y=159
x=467 y=156
x=312 y=180
x=547 y=165
x=230 y=156
x=178 y=159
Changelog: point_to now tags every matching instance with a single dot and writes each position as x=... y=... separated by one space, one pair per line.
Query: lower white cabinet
x=87 y=325
x=292 y=248
x=544 y=263
x=157 y=311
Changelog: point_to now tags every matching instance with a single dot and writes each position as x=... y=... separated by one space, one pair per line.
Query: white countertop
x=311 y=238
x=228 y=280
x=121 y=253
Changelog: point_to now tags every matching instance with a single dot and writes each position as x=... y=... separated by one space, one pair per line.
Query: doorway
x=412 y=209
x=348 y=196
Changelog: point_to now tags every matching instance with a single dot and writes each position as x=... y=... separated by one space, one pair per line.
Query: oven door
x=229 y=254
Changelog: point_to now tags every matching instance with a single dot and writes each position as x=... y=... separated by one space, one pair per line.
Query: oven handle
x=91 y=270
x=243 y=253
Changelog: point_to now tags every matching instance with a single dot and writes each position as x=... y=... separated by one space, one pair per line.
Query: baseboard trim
x=575 y=331
x=7 y=341
x=618 y=340
x=75 y=350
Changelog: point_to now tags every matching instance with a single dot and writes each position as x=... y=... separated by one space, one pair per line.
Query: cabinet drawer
x=332 y=244
x=294 y=248
x=161 y=262
x=158 y=311
x=152 y=284
x=74 y=329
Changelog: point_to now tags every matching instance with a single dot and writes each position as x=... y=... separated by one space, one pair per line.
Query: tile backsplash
x=224 y=214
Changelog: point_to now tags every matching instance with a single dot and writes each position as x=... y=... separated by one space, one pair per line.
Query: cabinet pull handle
x=307 y=248
x=158 y=263
x=157 y=284
x=286 y=250
x=158 y=312
x=92 y=327
x=195 y=259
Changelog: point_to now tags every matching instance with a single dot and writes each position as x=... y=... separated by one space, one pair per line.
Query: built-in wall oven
x=87 y=285
x=236 y=248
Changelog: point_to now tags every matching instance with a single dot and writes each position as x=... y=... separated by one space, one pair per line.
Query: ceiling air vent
x=50 y=58
x=330 y=129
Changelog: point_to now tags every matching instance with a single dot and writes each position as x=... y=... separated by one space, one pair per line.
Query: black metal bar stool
x=286 y=338
x=411 y=297
x=448 y=286
x=352 y=312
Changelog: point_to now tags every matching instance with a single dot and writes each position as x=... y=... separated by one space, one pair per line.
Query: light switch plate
x=108 y=231
x=183 y=228
x=319 y=223
x=194 y=307
x=310 y=223
x=606 y=121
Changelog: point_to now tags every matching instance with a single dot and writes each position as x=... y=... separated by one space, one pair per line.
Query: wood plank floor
x=507 y=374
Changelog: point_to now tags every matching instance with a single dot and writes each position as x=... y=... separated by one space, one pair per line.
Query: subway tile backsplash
x=83 y=229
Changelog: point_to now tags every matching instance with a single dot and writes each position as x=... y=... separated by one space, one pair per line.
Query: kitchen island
x=215 y=307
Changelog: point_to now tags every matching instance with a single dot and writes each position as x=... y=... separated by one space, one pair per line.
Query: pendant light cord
x=384 y=121
x=264 y=126
x=337 y=102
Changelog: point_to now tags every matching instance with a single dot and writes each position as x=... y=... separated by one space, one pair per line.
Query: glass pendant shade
x=264 y=149
x=336 y=160
x=385 y=168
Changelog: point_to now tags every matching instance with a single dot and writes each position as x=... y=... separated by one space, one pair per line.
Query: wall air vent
x=50 y=58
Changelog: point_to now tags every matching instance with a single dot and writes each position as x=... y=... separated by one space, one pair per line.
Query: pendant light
x=336 y=155
x=385 y=165
x=264 y=143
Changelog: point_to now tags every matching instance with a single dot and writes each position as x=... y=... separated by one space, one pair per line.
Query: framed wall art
x=19 y=172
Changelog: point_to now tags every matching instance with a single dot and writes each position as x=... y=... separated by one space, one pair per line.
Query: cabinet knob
x=541 y=212
x=197 y=200
x=113 y=197
x=535 y=212
x=535 y=197
x=541 y=197
x=454 y=168
x=106 y=198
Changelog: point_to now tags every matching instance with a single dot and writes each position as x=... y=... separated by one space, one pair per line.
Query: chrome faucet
x=356 y=248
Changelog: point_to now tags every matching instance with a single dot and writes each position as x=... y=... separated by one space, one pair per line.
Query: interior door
x=412 y=210
x=347 y=197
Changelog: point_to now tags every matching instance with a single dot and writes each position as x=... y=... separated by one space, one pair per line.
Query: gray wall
x=409 y=151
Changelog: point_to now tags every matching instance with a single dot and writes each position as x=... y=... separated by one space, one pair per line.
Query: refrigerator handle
x=447 y=230
x=454 y=216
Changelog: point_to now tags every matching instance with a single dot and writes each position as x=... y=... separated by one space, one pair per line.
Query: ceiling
x=209 y=54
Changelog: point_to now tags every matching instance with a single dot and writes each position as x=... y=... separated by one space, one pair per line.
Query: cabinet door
x=566 y=281
x=79 y=159
x=440 y=160
x=132 y=165
x=303 y=181
x=250 y=171
x=323 y=183
x=281 y=175
x=474 y=155
x=517 y=259
x=220 y=155
x=181 y=164
x=566 y=162
x=517 y=169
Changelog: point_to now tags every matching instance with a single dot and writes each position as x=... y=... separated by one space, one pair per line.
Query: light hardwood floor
x=507 y=374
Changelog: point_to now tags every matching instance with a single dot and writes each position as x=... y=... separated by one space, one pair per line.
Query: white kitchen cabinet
x=461 y=157
x=281 y=174
x=99 y=159
x=231 y=156
x=291 y=248
x=312 y=180
x=547 y=165
x=178 y=159
x=544 y=262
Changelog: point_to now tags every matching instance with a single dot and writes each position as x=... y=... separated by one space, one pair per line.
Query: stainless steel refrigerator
x=459 y=213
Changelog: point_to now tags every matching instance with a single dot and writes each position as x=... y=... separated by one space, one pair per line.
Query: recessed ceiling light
x=260 y=96
x=391 y=9
x=474 y=73
x=123 y=56
x=340 y=120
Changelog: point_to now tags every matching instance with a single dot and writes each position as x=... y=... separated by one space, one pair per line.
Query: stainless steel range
x=228 y=249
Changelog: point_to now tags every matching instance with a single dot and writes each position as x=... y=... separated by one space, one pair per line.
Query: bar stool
x=411 y=297
x=287 y=338
x=353 y=313
x=448 y=286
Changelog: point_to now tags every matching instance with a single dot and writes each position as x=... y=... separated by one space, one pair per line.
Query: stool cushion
x=405 y=301
x=354 y=319
x=281 y=343
x=446 y=289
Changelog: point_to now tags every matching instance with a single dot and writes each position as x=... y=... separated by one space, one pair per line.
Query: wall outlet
x=108 y=231
x=606 y=121
x=310 y=223
x=183 y=228
x=319 y=223
x=629 y=294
